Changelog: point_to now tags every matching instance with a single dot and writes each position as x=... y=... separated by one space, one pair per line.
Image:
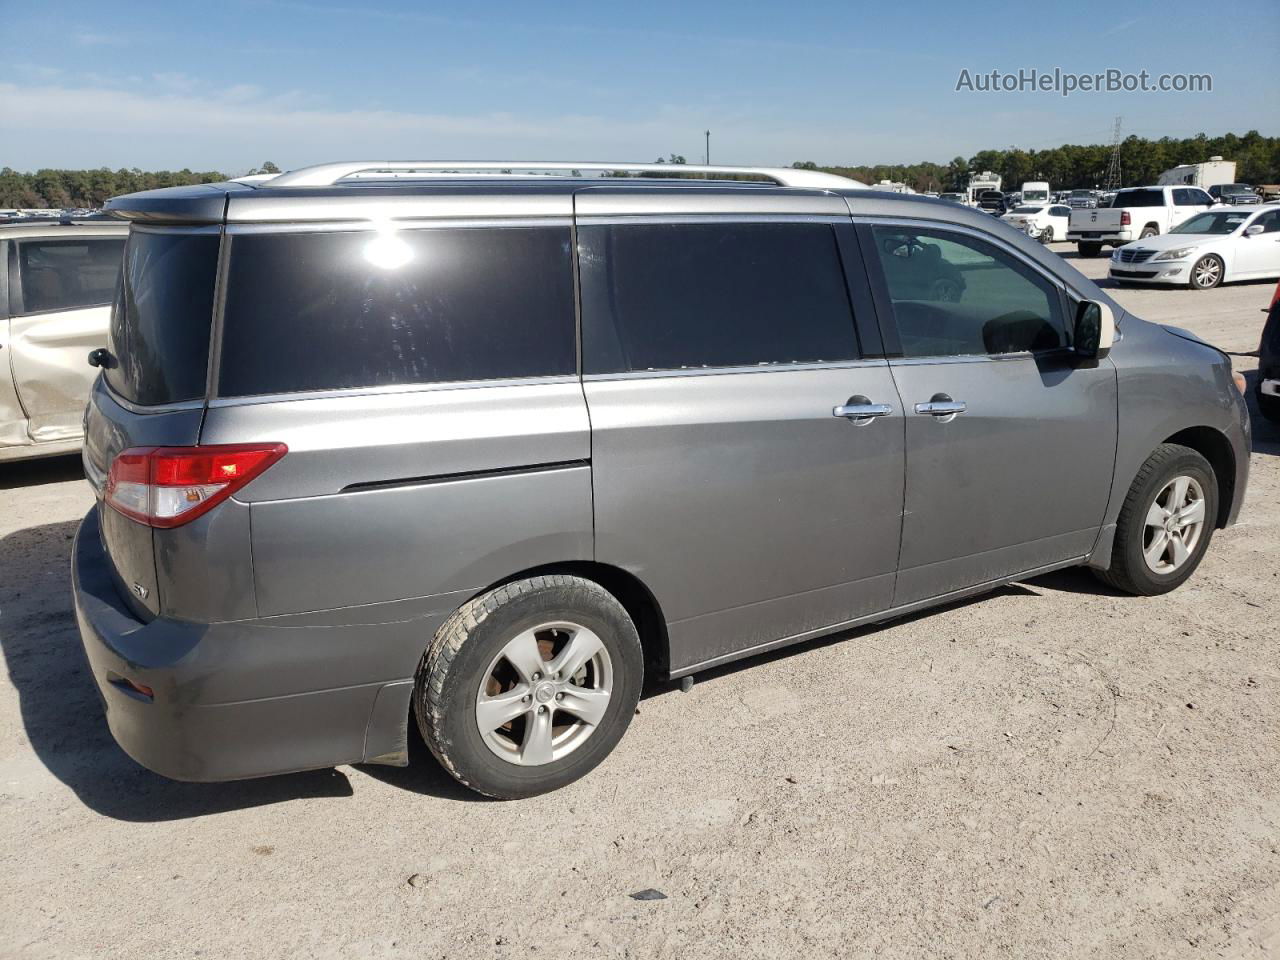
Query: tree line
x=1066 y=167
x=64 y=189
x=1073 y=166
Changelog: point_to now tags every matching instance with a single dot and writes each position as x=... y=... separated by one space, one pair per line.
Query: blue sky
x=229 y=85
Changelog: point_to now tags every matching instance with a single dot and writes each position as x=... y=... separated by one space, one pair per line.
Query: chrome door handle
x=941 y=408
x=861 y=410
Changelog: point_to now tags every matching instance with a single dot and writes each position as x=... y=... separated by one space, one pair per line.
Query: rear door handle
x=861 y=410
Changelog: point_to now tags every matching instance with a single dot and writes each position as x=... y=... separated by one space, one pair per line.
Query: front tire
x=1165 y=523
x=529 y=686
x=1206 y=273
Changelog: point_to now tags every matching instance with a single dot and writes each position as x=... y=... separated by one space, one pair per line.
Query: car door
x=1010 y=441
x=746 y=447
x=1060 y=217
x=1258 y=255
x=13 y=419
x=60 y=294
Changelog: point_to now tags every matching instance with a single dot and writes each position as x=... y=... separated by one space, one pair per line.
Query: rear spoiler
x=203 y=203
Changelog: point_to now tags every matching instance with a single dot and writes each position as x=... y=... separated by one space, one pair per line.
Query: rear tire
x=1149 y=231
x=497 y=657
x=1089 y=250
x=1145 y=560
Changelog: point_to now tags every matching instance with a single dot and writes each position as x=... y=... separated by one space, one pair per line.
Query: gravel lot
x=1053 y=770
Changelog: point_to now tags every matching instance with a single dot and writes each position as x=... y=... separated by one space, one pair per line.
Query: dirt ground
x=1053 y=770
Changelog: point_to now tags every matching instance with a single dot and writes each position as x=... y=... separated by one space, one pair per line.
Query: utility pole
x=1112 y=179
x=707 y=155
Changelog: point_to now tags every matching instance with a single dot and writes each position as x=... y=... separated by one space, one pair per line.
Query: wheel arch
x=1213 y=445
x=634 y=595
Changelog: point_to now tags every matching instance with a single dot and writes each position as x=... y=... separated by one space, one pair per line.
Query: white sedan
x=1035 y=219
x=1225 y=243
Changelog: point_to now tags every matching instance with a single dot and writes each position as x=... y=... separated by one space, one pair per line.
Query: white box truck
x=1036 y=191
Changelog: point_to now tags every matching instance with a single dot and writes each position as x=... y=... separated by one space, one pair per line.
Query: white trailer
x=1203 y=175
x=986 y=180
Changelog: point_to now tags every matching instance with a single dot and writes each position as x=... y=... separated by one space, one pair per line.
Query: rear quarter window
x=341 y=310
x=161 y=318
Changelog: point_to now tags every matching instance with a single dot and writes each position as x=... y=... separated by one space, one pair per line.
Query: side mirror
x=1254 y=230
x=1094 y=330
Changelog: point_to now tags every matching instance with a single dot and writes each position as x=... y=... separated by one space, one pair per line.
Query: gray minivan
x=466 y=447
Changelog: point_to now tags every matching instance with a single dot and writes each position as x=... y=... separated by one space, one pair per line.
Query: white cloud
x=91 y=39
x=37 y=70
x=241 y=125
x=175 y=82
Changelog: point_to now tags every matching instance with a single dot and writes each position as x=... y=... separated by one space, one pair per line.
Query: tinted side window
x=955 y=295
x=68 y=274
x=1270 y=222
x=1199 y=196
x=674 y=296
x=159 y=331
x=326 y=311
x=1185 y=198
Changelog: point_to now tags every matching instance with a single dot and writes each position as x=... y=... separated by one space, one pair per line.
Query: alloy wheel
x=544 y=694
x=1174 y=524
x=1206 y=273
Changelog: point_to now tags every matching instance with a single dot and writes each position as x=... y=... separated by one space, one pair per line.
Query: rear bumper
x=1101 y=236
x=194 y=727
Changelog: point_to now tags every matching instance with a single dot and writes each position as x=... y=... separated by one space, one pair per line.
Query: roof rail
x=327 y=174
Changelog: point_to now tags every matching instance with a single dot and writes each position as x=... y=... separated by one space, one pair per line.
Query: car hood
x=1188 y=335
x=1172 y=241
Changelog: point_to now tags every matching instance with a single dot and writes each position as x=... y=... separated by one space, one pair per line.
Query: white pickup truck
x=1134 y=213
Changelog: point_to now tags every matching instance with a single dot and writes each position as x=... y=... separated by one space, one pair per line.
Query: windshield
x=1220 y=223
x=1027 y=209
x=1035 y=195
x=1080 y=194
x=1235 y=188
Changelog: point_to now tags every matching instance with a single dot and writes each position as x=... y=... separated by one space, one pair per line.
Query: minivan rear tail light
x=170 y=486
x=1125 y=219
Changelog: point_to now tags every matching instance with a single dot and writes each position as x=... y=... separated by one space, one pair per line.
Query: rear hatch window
x=163 y=312
x=1139 y=198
